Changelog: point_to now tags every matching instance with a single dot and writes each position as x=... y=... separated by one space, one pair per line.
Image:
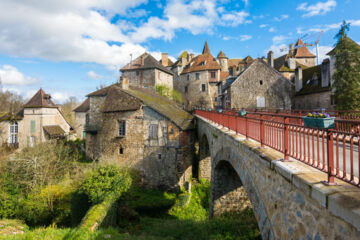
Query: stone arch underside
x=204 y=158
x=232 y=190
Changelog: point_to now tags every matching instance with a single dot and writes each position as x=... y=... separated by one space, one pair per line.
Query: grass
x=145 y=214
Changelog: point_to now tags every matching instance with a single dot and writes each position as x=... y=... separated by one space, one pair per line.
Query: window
x=203 y=63
x=188 y=77
x=197 y=76
x=13 y=133
x=122 y=128
x=153 y=132
x=32 y=126
x=121 y=150
x=261 y=82
x=159 y=156
x=203 y=87
x=216 y=99
x=213 y=74
x=87 y=119
x=171 y=130
x=186 y=89
x=137 y=73
x=84 y=134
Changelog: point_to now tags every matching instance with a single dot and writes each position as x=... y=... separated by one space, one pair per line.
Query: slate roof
x=312 y=81
x=41 y=100
x=202 y=62
x=164 y=106
x=118 y=100
x=221 y=55
x=84 y=106
x=54 y=130
x=349 y=41
x=101 y=92
x=148 y=62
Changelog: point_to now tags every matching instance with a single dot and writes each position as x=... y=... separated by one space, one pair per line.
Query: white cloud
x=246 y=2
x=319 y=8
x=60 y=97
x=245 y=37
x=93 y=75
x=279 y=39
x=235 y=18
x=10 y=75
x=282 y=17
x=263 y=26
x=272 y=29
x=323 y=50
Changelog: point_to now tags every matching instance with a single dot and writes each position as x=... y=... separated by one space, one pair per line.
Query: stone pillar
x=204 y=160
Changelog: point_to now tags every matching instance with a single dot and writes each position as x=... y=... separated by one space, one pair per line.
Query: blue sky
x=71 y=47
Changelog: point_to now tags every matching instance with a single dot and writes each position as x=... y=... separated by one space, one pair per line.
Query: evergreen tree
x=347 y=74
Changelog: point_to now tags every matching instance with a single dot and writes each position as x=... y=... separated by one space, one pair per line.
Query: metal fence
x=334 y=151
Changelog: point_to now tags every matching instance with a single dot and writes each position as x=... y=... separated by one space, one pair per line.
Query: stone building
x=198 y=80
x=258 y=86
x=38 y=121
x=314 y=86
x=147 y=72
x=135 y=127
x=81 y=118
x=296 y=57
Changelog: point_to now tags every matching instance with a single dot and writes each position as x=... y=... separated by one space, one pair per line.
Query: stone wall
x=194 y=95
x=313 y=101
x=4 y=132
x=80 y=119
x=164 y=161
x=288 y=198
x=148 y=78
x=163 y=78
x=204 y=159
x=310 y=62
x=260 y=81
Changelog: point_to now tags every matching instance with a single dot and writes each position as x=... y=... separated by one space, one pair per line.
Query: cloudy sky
x=70 y=47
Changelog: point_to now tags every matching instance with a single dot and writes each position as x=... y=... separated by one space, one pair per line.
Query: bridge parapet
x=288 y=198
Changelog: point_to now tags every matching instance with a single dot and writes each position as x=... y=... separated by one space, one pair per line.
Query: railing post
x=286 y=139
x=330 y=157
x=246 y=128
x=262 y=130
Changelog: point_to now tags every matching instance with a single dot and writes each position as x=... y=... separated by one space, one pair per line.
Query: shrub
x=105 y=180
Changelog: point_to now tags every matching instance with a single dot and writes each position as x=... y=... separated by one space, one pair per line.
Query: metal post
x=286 y=139
x=330 y=158
x=246 y=128
x=262 y=130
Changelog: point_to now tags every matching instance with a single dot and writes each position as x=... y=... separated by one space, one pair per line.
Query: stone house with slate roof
x=147 y=72
x=135 y=127
x=258 y=86
x=314 y=86
x=296 y=57
x=38 y=121
x=81 y=118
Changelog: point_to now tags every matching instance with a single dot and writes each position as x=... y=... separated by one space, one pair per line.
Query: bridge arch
x=233 y=189
x=204 y=158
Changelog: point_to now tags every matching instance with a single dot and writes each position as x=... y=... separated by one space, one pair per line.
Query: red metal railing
x=333 y=151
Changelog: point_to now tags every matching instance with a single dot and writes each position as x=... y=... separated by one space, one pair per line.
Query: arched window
x=14 y=129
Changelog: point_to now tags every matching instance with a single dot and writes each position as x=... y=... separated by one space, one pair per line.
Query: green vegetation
x=172 y=94
x=61 y=197
x=347 y=74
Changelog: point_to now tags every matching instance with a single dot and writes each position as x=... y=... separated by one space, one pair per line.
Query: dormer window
x=203 y=63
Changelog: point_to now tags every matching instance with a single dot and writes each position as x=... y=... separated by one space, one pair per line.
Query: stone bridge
x=288 y=198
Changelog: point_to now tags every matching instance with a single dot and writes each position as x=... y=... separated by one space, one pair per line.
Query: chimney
x=124 y=83
x=183 y=61
x=164 y=59
x=325 y=73
x=298 y=79
x=291 y=49
x=271 y=58
x=291 y=63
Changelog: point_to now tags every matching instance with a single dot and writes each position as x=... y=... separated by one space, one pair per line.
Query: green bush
x=105 y=180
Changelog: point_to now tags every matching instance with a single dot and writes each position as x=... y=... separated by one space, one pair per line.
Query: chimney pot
x=271 y=58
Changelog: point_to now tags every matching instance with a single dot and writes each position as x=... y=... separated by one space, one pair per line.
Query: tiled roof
x=40 y=99
x=164 y=106
x=145 y=61
x=54 y=130
x=10 y=116
x=221 y=55
x=312 y=81
x=234 y=61
x=202 y=62
x=349 y=41
x=303 y=51
x=100 y=93
x=223 y=75
x=118 y=101
x=169 y=63
x=83 y=107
